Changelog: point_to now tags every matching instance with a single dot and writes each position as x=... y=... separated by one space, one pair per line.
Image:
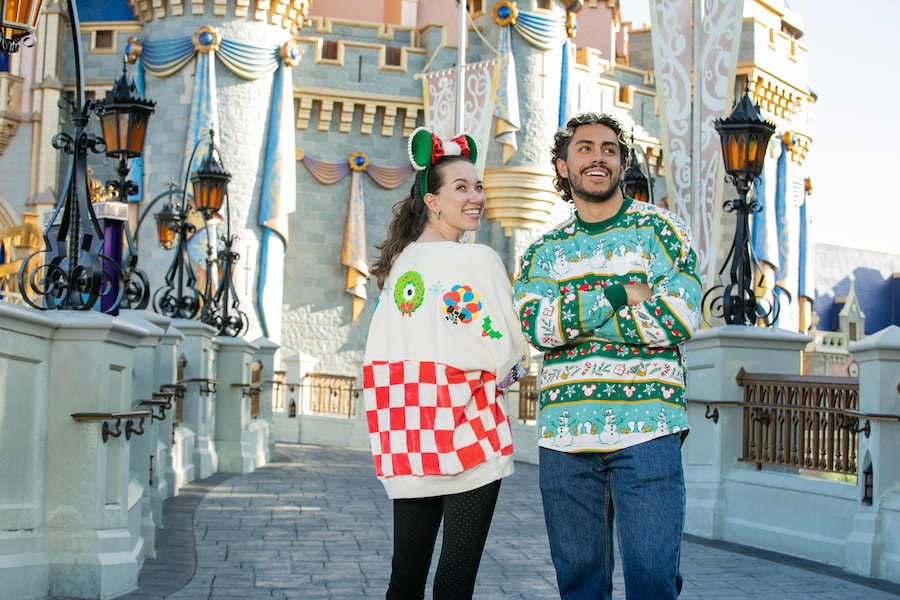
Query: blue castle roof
x=876 y=286
x=93 y=11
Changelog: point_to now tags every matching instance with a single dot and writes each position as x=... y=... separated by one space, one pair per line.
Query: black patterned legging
x=467 y=518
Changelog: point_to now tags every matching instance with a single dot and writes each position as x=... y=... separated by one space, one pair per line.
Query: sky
x=852 y=49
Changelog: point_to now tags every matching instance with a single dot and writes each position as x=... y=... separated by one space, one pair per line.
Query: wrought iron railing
x=279 y=382
x=805 y=422
x=528 y=396
x=329 y=395
x=255 y=388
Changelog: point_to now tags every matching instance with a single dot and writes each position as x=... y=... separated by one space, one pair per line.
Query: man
x=609 y=295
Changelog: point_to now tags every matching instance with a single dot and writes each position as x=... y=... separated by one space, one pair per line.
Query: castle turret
x=212 y=65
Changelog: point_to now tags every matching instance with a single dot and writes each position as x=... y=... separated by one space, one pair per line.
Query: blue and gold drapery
x=353 y=248
x=136 y=169
x=544 y=31
x=759 y=235
x=506 y=99
x=803 y=276
x=279 y=191
x=568 y=66
x=249 y=61
x=782 y=227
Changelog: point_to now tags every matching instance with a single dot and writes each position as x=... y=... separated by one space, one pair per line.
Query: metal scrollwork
x=742 y=300
x=71 y=271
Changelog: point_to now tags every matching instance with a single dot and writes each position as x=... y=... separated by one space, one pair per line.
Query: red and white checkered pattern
x=426 y=418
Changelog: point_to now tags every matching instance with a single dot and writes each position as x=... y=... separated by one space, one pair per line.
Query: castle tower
x=518 y=182
x=225 y=81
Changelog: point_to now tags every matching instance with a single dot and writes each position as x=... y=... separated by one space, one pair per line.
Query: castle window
x=103 y=39
x=392 y=56
x=329 y=50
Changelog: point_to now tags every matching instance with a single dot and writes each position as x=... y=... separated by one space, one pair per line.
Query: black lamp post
x=745 y=138
x=180 y=296
x=221 y=311
x=73 y=271
x=636 y=184
x=166 y=227
x=18 y=20
x=124 y=121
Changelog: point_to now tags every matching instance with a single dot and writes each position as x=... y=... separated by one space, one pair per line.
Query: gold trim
x=206 y=48
x=519 y=197
x=510 y=19
x=358 y=167
x=289 y=54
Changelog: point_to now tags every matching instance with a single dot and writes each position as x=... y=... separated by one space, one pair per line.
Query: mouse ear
x=420 y=146
x=473 y=149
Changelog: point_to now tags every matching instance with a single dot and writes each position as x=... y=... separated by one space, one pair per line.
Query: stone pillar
x=143 y=448
x=266 y=356
x=93 y=545
x=167 y=380
x=714 y=356
x=193 y=437
x=151 y=462
x=286 y=424
x=25 y=402
x=870 y=550
x=232 y=432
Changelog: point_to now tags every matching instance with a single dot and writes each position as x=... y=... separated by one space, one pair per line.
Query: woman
x=443 y=344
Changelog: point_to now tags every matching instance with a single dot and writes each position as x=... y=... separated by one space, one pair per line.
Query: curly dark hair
x=560 y=148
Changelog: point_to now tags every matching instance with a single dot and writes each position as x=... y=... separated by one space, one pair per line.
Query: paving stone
x=317 y=525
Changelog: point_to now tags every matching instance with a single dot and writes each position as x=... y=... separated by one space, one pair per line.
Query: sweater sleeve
x=672 y=314
x=554 y=314
x=557 y=312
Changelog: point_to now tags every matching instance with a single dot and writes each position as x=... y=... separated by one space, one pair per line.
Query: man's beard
x=596 y=197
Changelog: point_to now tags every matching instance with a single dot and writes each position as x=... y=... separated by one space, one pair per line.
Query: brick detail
x=329 y=101
x=287 y=14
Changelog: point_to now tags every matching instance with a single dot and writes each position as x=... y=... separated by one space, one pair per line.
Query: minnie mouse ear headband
x=425 y=149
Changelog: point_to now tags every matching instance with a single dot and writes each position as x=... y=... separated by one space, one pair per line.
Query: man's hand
x=637 y=293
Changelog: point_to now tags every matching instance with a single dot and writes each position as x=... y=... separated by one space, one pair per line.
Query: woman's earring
x=437 y=214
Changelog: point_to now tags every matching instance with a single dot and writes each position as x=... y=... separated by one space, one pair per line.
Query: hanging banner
x=440 y=93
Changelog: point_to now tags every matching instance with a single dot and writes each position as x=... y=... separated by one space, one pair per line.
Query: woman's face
x=460 y=200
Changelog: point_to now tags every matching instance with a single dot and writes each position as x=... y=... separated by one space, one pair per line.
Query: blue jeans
x=642 y=487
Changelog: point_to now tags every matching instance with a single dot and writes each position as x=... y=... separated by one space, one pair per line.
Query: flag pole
x=460 y=67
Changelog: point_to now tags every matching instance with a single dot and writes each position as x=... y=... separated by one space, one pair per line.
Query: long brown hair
x=408 y=222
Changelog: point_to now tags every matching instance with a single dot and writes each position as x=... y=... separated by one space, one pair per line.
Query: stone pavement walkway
x=316 y=524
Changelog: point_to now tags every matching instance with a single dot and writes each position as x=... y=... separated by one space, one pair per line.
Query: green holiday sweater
x=612 y=374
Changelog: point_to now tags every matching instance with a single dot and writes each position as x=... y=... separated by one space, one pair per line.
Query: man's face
x=593 y=164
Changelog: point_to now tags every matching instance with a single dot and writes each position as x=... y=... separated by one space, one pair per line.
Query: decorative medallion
x=206 y=39
x=505 y=13
x=289 y=54
x=359 y=161
x=133 y=50
x=571 y=25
